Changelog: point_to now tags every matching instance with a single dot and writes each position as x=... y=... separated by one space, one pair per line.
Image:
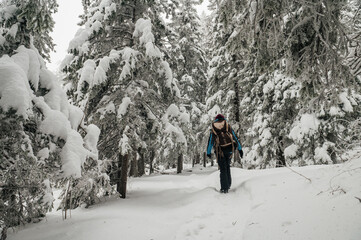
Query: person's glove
x=209 y=155
x=241 y=153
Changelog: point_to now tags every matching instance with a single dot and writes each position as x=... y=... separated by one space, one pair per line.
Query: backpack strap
x=219 y=152
x=231 y=136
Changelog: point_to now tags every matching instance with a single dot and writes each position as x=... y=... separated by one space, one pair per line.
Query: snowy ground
x=269 y=204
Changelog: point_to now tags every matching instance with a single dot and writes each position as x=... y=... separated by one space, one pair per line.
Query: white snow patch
x=124 y=142
x=336 y=111
x=29 y=61
x=123 y=107
x=76 y=116
x=347 y=106
x=87 y=74
x=269 y=86
x=47 y=199
x=307 y=125
x=129 y=56
x=55 y=122
x=14 y=90
x=291 y=151
x=73 y=155
x=43 y=154
x=143 y=30
x=13 y=30
x=321 y=154
x=261 y=204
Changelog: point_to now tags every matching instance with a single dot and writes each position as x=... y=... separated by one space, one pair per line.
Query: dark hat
x=219 y=117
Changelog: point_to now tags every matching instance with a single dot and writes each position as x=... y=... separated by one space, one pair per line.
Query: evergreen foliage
x=285 y=73
x=126 y=84
x=43 y=141
x=297 y=93
x=189 y=64
x=22 y=21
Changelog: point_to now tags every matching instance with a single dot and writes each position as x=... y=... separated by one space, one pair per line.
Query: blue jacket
x=211 y=141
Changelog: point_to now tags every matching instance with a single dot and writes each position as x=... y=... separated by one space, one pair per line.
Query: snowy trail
x=263 y=204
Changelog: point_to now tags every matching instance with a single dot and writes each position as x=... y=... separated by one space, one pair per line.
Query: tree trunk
x=193 y=161
x=124 y=177
x=236 y=102
x=180 y=163
x=134 y=166
x=151 y=170
x=204 y=159
x=237 y=158
x=141 y=168
x=4 y=233
x=119 y=183
x=281 y=161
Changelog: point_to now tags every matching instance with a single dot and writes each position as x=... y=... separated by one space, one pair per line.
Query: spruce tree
x=43 y=140
x=125 y=83
x=189 y=64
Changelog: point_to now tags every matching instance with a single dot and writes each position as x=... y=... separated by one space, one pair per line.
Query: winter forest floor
x=268 y=204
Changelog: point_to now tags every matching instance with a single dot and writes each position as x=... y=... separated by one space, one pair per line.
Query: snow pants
x=224 y=164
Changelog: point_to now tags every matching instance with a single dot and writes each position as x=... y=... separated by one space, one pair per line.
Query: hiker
x=224 y=140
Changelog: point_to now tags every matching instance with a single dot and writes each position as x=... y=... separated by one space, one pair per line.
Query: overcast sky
x=66 y=20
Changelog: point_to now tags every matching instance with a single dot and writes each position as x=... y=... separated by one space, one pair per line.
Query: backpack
x=223 y=136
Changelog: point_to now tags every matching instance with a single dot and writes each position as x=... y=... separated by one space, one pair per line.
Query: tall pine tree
x=118 y=73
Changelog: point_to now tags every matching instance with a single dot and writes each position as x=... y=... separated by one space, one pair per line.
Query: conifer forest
x=119 y=133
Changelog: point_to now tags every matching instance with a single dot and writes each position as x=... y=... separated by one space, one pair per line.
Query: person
x=224 y=141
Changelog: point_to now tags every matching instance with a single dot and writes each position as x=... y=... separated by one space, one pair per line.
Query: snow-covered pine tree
x=223 y=92
x=296 y=91
x=40 y=144
x=351 y=19
x=189 y=65
x=117 y=73
x=316 y=48
x=267 y=95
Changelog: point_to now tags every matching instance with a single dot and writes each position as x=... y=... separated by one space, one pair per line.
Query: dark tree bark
x=281 y=161
x=198 y=158
x=124 y=177
x=204 y=159
x=134 y=166
x=236 y=102
x=119 y=183
x=141 y=168
x=180 y=163
x=3 y=235
x=151 y=170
